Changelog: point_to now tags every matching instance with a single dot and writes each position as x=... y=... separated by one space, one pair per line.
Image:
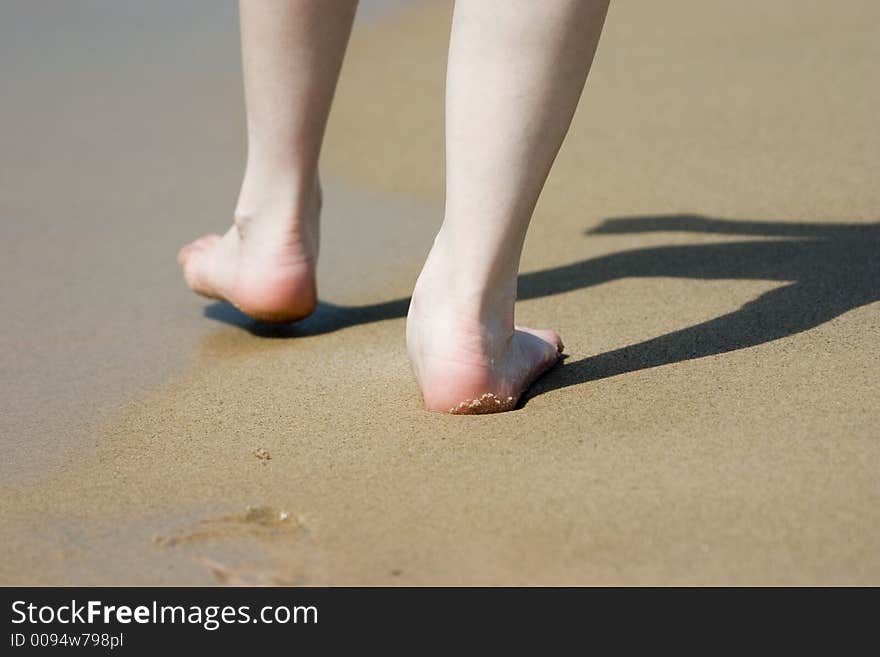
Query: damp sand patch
x=264 y=523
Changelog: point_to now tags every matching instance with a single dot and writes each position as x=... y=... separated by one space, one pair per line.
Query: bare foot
x=467 y=355
x=264 y=264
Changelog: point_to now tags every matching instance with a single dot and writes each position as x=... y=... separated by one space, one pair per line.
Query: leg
x=516 y=71
x=292 y=51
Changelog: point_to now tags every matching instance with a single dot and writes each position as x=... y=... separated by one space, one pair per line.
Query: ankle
x=287 y=199
x=283 y=213
x=463 y=282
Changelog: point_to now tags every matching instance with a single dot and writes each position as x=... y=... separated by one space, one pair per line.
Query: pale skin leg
x=516 y=72
x=292 y=51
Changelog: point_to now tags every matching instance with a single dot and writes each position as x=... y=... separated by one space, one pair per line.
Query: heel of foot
x=277 y=296
x=278 y=317
x=281 y=311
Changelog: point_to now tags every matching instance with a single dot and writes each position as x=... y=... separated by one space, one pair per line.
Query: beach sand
x=707 y=246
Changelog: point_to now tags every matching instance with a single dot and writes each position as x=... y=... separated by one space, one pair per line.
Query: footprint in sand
x=284 y=561
x=263 y=523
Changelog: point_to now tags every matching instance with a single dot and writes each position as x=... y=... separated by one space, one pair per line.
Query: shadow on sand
x=828 y=269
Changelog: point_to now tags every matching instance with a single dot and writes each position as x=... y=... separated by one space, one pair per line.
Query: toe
x=190 y=258
x=196 y=272
x=184 y=252
x=197 y=245
x=550 y=337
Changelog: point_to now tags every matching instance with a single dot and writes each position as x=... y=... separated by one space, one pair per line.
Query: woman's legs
x=516 y=71
x=292 y=51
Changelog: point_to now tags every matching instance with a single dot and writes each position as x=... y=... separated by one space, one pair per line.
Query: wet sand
x=707 y=247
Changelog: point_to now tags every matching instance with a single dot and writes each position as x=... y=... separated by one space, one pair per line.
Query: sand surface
x=707 y=246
